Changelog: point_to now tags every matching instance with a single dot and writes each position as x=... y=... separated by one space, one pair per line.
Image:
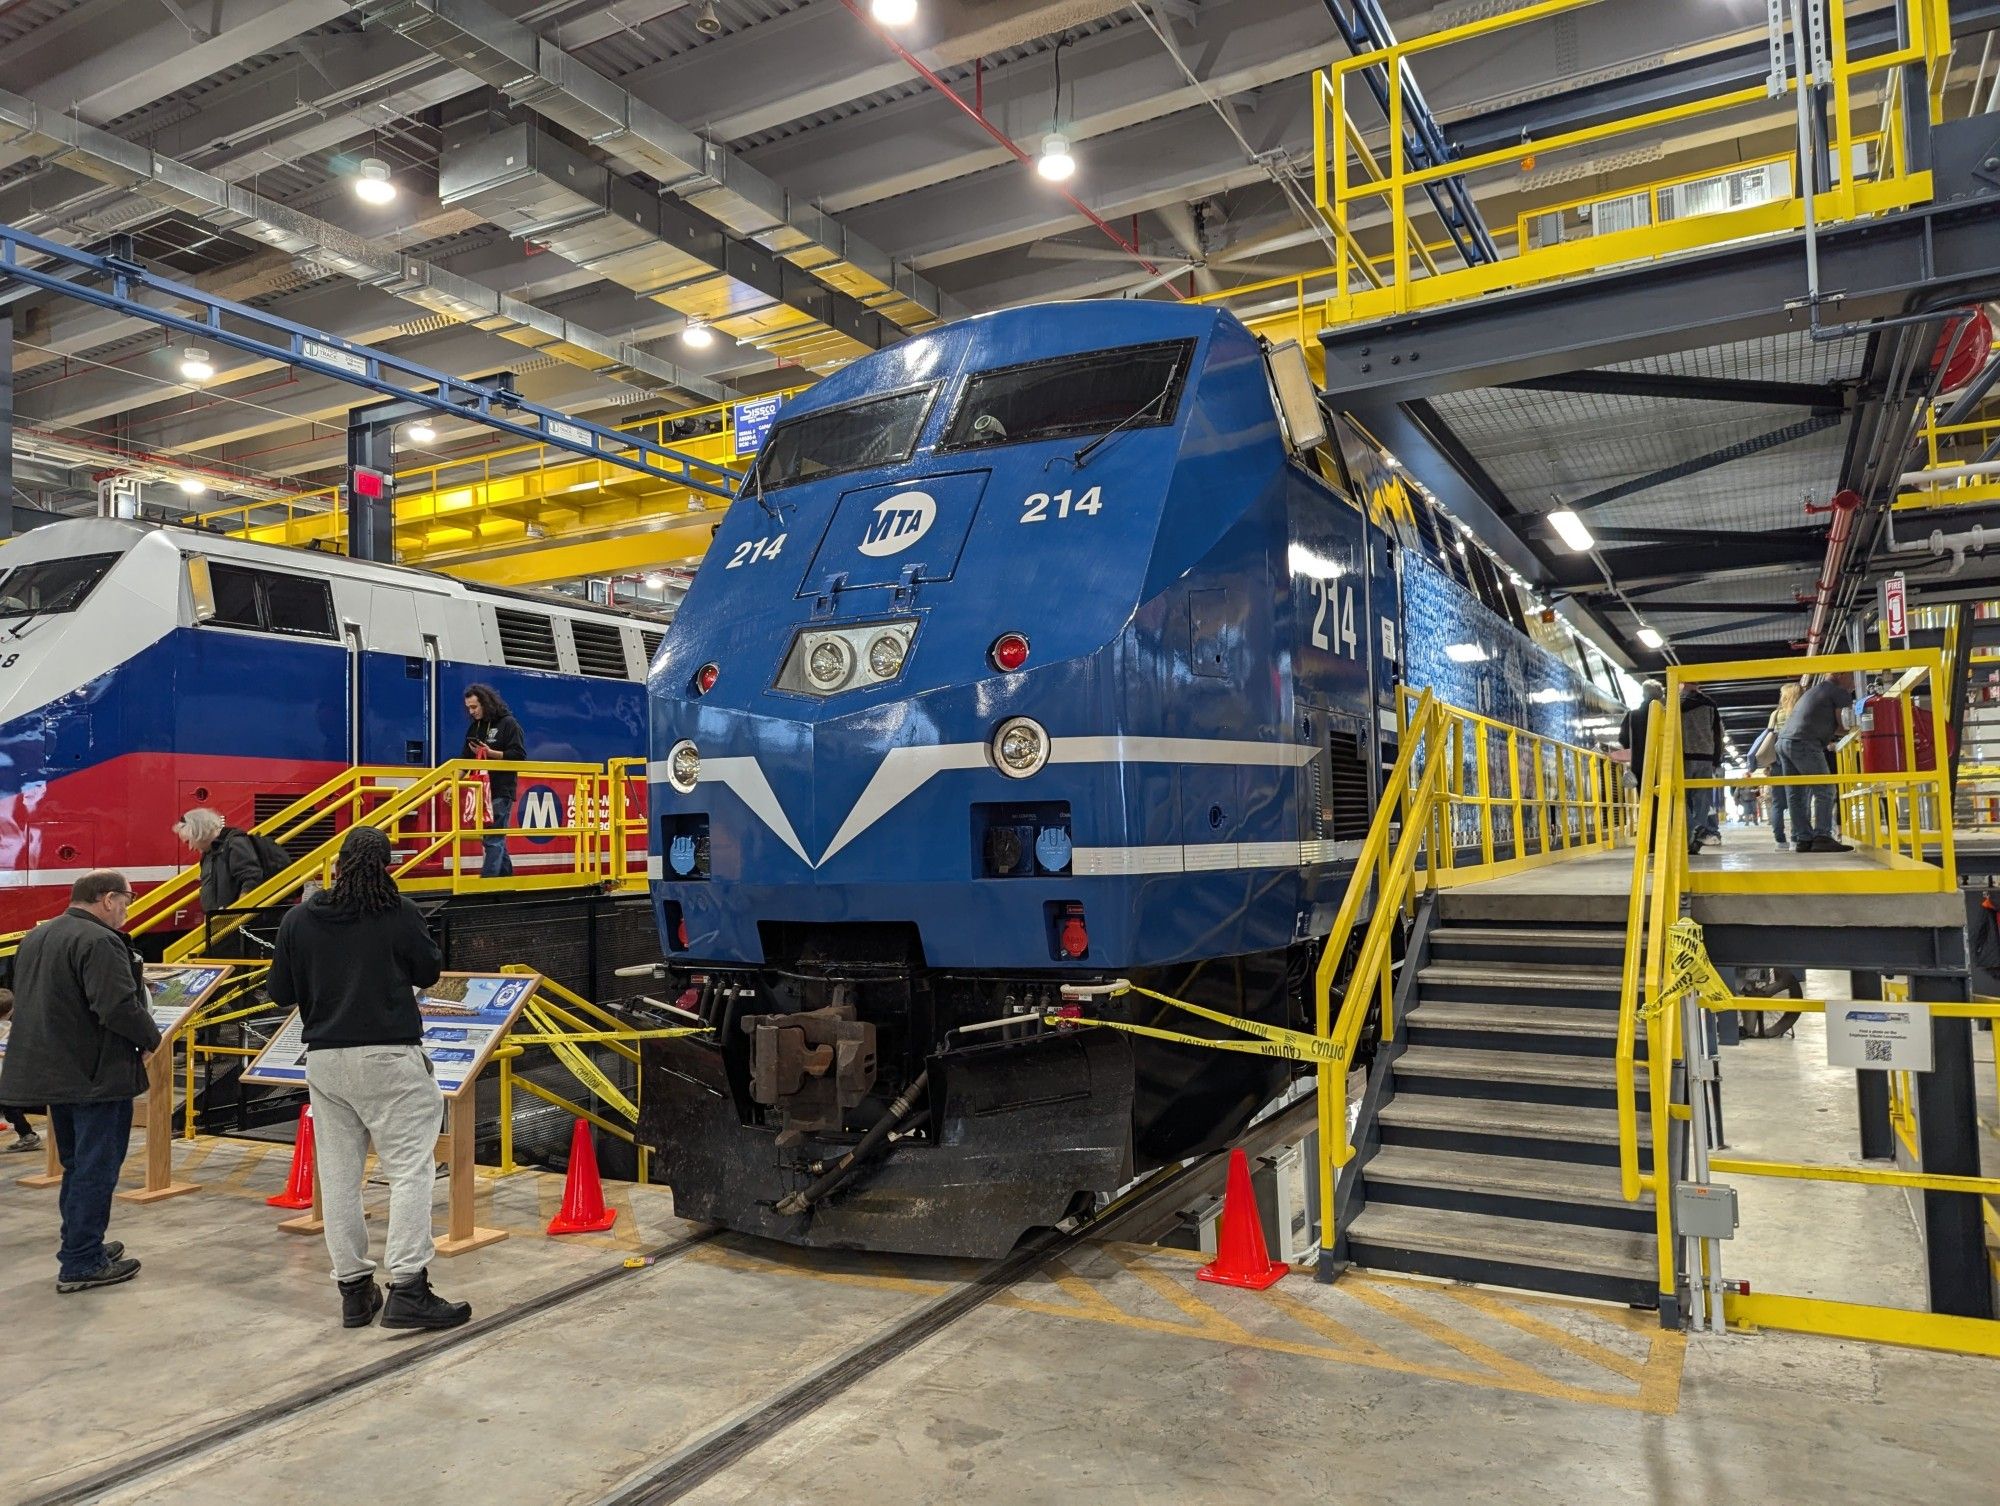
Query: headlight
x=829 y=663
x=684 y=766
x=1020 y=747
x=885 y=655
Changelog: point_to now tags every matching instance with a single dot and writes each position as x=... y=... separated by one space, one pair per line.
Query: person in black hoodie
x=351 y=960
x=493 y=733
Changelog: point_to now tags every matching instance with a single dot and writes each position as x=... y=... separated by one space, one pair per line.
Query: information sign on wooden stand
x=51 y=1173
x=466 y=1016
x=173 y=993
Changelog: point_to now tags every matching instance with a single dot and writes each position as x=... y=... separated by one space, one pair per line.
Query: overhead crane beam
x=271 y=338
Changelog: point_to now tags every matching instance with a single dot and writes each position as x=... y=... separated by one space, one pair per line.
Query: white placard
x=1878 y=1036
x=555 y=428
x=332 y=355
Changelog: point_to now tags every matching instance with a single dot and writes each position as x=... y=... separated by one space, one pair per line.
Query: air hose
x=846 y=1166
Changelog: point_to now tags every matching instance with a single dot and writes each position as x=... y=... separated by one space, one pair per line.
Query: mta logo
x=899 y=523
x=541 y=808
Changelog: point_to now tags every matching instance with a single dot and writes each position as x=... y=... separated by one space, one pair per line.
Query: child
x=25 y=1137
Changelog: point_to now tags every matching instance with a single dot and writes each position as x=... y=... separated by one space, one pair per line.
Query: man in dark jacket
x=1632 y=732
x=81 y=1035
x=1701 y=755
x=351 y=959
x=494 y=734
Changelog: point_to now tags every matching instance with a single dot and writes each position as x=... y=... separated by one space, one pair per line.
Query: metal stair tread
x=1513 y=1241
x=1513 y=975
x=1535 y=1121
x=1515 y=1019
x=1506 y=936
x=1524 y=1176
x=1508 y=1066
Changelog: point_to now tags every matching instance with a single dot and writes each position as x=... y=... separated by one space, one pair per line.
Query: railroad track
x=1144 y=1212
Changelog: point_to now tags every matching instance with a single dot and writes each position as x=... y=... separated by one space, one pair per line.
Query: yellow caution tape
x=580 y=1066
x=1271 y=1040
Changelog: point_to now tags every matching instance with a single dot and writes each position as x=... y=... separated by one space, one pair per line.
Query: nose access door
x=879 y=532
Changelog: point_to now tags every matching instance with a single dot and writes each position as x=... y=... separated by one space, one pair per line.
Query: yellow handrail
x=1635 y=929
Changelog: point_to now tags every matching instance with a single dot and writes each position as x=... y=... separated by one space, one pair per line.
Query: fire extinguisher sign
x=1895 y=607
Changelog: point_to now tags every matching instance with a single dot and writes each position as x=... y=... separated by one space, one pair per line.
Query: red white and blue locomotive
x=145 y=670
x=1054 y=645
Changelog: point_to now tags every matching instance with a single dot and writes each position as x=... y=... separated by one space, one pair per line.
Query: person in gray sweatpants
x=351 y=958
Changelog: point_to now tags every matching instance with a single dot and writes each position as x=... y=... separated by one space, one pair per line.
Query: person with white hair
x=230 y=863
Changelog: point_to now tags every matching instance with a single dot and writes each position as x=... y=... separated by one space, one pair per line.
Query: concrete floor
x=1112 y=1377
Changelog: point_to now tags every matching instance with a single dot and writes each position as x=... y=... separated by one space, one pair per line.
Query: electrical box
x=1704 y=1211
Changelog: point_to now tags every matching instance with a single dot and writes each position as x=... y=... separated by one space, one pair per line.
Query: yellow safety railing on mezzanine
x=1358 y=191
x=1667 y=971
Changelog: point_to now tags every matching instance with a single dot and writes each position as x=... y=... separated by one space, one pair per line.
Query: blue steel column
x=6 y=426
x=371 y=521
x=1948 y=1144
x=1871 y=1089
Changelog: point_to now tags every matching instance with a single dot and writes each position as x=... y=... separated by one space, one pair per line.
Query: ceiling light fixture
x=706 y=21
x=372 y=185
x=1569 y=528
x=421 y=432
x=893 y=12
x=195 y=364
x=1056 y=164
x=192 y=486
x=697 y=334
x=1651 y=637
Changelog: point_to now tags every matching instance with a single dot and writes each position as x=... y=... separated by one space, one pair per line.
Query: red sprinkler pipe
x=1843 y=507
x=978 y=117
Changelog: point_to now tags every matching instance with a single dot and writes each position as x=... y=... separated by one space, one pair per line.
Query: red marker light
x=1009 y=652
x=1075 y=938
x=705 y=678
x=681 y=933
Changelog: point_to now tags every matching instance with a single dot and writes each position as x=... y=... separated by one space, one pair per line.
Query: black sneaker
x=360 y=1300
x=109 y=1274
x=114 y=1250
x=1827 y=844
x=412 y=1304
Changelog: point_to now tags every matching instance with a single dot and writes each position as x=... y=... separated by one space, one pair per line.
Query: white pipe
x=1952 y=472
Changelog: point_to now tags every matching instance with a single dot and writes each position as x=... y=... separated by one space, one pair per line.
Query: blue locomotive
x=1059 y=644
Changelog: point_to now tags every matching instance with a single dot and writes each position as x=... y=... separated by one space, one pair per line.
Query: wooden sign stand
x=160 y=1184
x=283 y=1064
x=456 y=1144
x=51 y=1174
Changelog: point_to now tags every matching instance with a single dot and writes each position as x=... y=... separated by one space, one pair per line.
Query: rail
x=443 y=505
x=586 y=822
x=1666 y=969
x=1357 y=188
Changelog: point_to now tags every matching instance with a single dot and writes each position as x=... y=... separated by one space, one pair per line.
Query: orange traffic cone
x=1240 y=1256
x=583 y=1210
x=298 y=1191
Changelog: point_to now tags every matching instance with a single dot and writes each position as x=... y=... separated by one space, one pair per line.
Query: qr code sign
x=1878 y=1051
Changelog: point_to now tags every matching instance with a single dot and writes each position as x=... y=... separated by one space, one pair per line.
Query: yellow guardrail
x=1667 y=970
x=1899 y=817
x=442 y=502
x=1354 y=185
x=1952 y=474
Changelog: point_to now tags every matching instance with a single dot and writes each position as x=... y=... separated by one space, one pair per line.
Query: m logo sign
x=899 y=522
x=542 y=809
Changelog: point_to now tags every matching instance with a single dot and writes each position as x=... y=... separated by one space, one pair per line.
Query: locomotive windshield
x=881 y=431
x=1137 y=387
x=52 y=585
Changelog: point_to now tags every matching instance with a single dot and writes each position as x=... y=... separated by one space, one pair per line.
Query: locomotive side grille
x=600 y=649
x=264 y=807
x=652 y=641
x=528 y=641
x=1347 y=779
